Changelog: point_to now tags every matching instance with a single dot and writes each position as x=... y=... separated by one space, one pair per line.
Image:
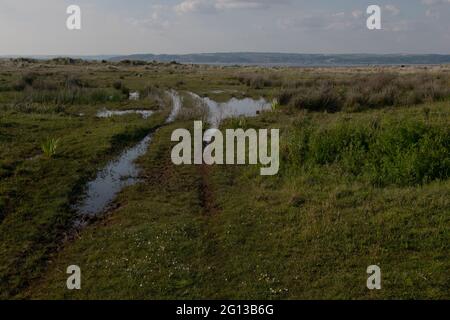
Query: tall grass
x=399 y=153
x=193 y=109
x=43 y=89
x=235 y=123
x=275 y=105
x=49 y=147
x=354 y=92
x=259 y=81
x=69 y=96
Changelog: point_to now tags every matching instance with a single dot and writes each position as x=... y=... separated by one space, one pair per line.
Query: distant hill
x=49 y=57
x=248 y=58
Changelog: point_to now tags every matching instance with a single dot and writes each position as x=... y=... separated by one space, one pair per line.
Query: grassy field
x=364 y=179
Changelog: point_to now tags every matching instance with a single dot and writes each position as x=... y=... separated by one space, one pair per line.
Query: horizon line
x=218 y=52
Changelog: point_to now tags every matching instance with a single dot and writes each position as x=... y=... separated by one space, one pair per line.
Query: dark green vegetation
x=384 y=151
x=357 y=186
x=352 y=92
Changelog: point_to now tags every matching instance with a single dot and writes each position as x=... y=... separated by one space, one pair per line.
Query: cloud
x=193 y=6
x=434 y=2
x=154 y=22
x=392 y=9
x=158 y=19
x=399 y=26
x=434 y=8
x=325 y=21
x=432 y=13
x=220 y=5
x=357 y=13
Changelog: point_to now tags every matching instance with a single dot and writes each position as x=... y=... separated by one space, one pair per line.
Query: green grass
x=308 y=233
x=354 y=188
x=395 y=152
x=50 y=147
x=36 y=193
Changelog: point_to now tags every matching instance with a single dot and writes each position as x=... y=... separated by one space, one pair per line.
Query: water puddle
x=224 y=91
x=122 y=171
x=118 y=173
x=176 y=106
x=134 y=96
x=219 y=111
x=111 y=113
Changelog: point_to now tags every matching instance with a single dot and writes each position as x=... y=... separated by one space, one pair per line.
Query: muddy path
x=165 y=197
x=206 y=192
x=118 y=173
x=99 y=200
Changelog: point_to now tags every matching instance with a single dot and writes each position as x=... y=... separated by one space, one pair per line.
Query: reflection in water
x=110 y=113
x=217 y=112
x=247 y=107
x=119 y=173
x=176 y=106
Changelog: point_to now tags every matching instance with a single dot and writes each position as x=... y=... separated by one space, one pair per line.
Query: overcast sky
x=192 y=26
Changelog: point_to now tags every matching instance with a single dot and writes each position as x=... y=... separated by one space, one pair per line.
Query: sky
x=196 y=26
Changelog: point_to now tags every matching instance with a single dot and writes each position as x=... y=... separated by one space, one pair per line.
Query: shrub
x=257 y=81
x=285 y=96
x=118 y=85
x=323 y=99
x=29 y=78
x=125 y=91
x=26 y=79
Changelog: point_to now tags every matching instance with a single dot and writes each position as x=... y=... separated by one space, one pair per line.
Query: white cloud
x=392 y=9
x=434 y=2
x=158 y=19
x=434 y=8
x=357 y=13
x=432 y=13
x=324 y=21
x=219 y=5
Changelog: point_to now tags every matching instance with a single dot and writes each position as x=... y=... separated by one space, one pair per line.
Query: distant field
x=364 y=179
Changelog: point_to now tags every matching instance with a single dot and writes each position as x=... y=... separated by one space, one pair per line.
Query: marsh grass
x=268 y=236
x=275 y=105
x=353 y=92
x=193 y=109
x=69 y=96
x=35 y=88
x=353 y=188
x=235 y=123
x=50 y=147
x=405 y=153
